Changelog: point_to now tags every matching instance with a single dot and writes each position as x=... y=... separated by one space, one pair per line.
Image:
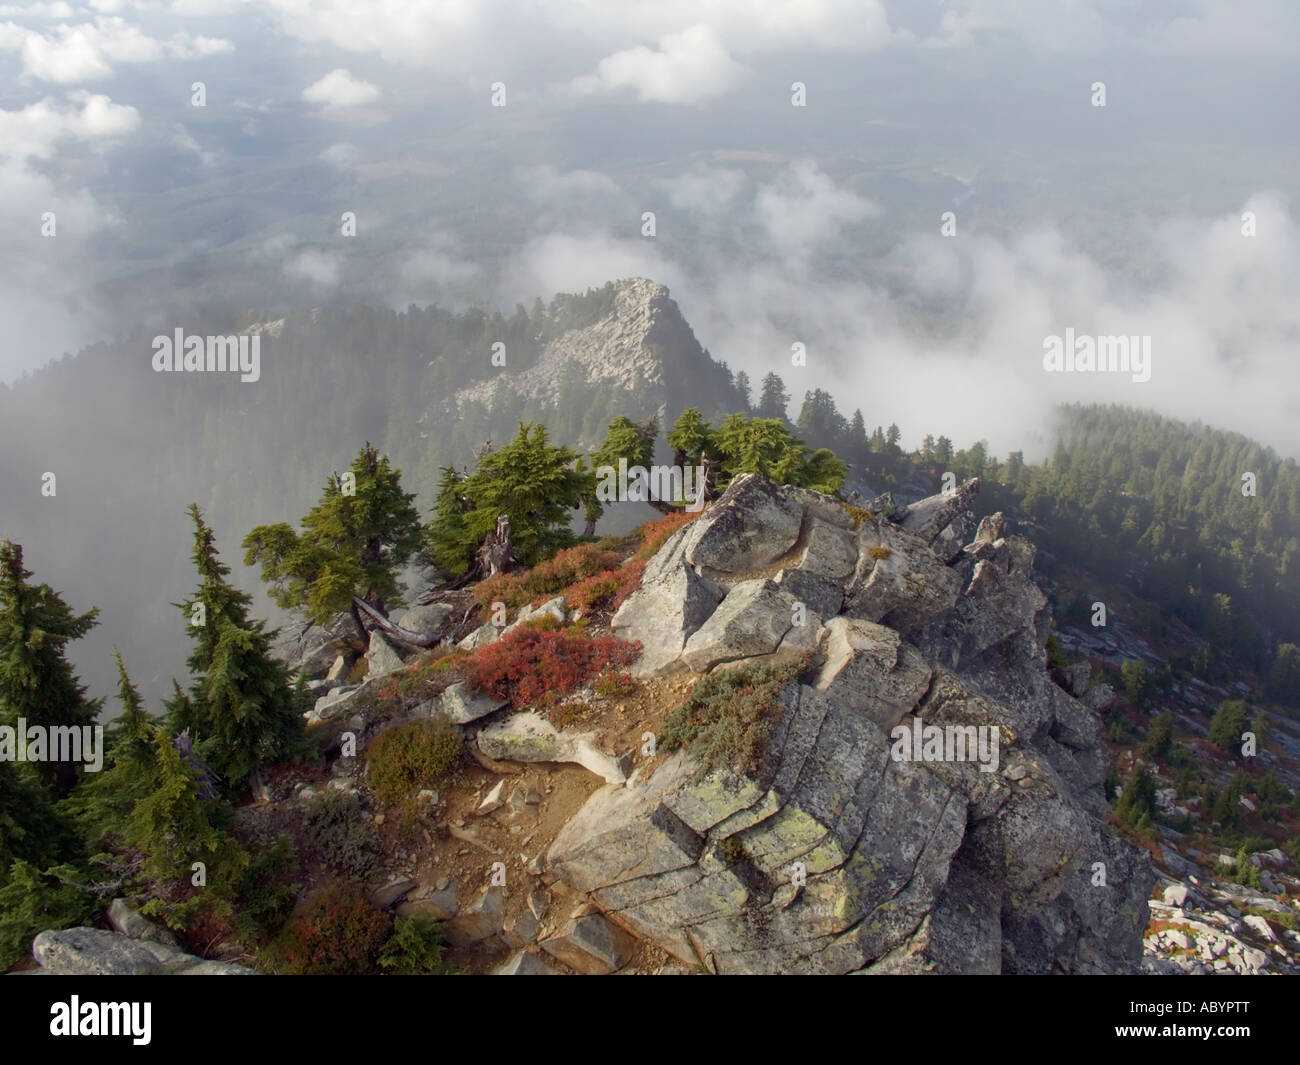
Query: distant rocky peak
x=642 y=344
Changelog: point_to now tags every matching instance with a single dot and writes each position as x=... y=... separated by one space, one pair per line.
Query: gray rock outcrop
x=96 y=952
x=974 y=841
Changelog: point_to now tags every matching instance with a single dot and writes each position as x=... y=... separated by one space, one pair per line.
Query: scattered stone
x=480 y=921
x=382 y=656
x=384 y=898
x=493 y=801
x=1260 y=925
x=557 y=608
x=462 y=706
x=131 y=922
x=426 y=619
x=524 y=964
x=529 y=737
x=480 y=637
x=591 y=945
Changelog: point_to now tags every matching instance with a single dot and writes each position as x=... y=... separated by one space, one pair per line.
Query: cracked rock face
x=850 y=850
x=626 y=348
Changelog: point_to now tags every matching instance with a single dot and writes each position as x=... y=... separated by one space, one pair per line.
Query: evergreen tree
x=858 y=448
x=824 y=472
x=1284 y=675
x=819 y=422
x=1159 y=736
x=743 y=388
x=178 y=711
x=32 y=901
x=37 y=683
x=249 y=716
x=354 y=543
x=32 y=828
x=105 y=800
x=1137 y=805
x=535 y=484
x=690 y=437
x=242 y=701
x=1228 y=724
x=445 y=536
x=766 y=447
x=773 y=399
x=172 y=828
x=1138 y=685
x=624 y=440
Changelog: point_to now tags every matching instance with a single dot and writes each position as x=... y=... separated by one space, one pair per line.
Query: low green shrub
x=727 y=719
x=338 y=835
x=415 y=948
x=266 y=893
x=406 y=758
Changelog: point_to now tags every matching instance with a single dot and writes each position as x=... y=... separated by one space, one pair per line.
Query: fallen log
x=394 y=632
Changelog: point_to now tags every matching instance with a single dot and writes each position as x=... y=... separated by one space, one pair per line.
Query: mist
x=947 y=196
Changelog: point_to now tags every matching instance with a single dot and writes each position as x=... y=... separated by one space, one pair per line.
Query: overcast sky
x=776 y=224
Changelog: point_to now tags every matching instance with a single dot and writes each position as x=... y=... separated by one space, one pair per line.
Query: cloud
x=323 y=269
x=183 y=139
x=574 y=262
x=339 y=89
x=439 y=264
x=70 y=55
x=955 y=344
x=1083 y=27
x=749 y=27
x=402 y=31
x=342 y=156
x=674 y=51
x=546 y=184
x=54 y=10
x=184 y=46
x=804 y=208
x=42 y=277
x=34 y=131
x=705 y=190
x=204 y=8
x=947 y=335
x=689 y=51
x=688 y=67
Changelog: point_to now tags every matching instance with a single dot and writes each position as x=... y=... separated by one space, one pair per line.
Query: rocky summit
x=835 y=855
x=894 y=782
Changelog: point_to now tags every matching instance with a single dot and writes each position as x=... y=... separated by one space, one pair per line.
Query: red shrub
x=546 y=578
x=505 y=588
x=537 y=665
x=631 y=582
x=605 y=589
x=655 y=533
x=337 y=932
